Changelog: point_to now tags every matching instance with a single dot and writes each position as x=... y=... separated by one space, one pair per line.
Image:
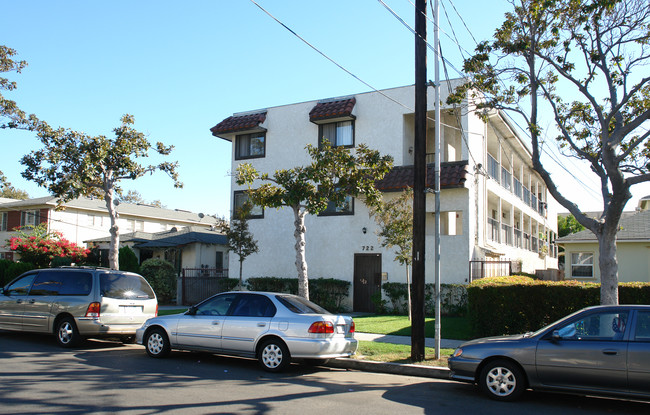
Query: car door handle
x=261 y=324
x=610 y=352
x=32 y=301
x=215 y=323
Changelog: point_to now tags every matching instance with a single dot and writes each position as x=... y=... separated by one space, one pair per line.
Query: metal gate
x=197 y=284
x=483 y=268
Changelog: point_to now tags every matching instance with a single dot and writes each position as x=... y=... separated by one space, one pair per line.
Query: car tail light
x=322 y=327
x=156 y=315
x=352 y=327
x=93 y=310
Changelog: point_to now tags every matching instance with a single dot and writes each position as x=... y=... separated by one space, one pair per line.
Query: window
x=248 y=146
x=337 y=133
x=642 y=331
x=3 y=221
x=345 y=208
x=253 y=305
x=597 y=326
x=125 y=287
x=216 y=306
x=29 y=218
x=582 y=265
x=239 y=198
x=62 y=283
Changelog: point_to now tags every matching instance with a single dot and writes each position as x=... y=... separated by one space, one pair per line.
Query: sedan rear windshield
x=125 y=287
x=299 y=305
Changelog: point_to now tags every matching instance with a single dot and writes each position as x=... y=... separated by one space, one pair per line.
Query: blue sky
x=181 y=67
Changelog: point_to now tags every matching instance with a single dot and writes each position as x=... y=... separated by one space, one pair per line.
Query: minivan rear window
x=125 y=287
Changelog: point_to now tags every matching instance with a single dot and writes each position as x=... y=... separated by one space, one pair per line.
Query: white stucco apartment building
x=493 y=205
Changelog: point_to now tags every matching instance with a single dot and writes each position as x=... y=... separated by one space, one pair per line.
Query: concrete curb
x=392 y=368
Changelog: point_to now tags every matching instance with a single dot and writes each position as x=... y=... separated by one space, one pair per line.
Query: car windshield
x=299 y=305
x=553 y=323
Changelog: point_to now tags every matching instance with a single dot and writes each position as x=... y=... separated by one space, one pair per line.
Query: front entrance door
x=367 y=281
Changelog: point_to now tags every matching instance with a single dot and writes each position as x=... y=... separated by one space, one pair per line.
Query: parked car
x=601 y=350
x=77 y=302
x=271 y=327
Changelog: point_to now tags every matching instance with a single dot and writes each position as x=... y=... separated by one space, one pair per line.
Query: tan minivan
x=77 y=302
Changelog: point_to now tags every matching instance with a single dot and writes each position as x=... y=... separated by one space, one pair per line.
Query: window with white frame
x=339 y=134
x=248 y=146
x=239 y=198
x=3 y=221
x=29 y=218
x=582 y=264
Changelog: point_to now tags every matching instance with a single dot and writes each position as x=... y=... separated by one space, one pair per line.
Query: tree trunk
x=301 y=261
x=608 y=270
x=241 y=266
x=113 y=252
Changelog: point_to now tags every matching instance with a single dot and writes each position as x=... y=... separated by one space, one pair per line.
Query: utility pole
x=419 y=183
x=436 y=250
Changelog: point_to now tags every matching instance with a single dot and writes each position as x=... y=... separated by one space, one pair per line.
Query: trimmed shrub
x=128 y=261
x=273 y=284
x=4 y=265
x=15 y=269
x=162 y=277
x=328 y=293
x=518 y=304
x=453 y=299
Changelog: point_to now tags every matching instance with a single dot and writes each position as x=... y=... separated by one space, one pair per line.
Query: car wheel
x=157 y=343
x=502 y=380
x=67 y=334
x=273 y=355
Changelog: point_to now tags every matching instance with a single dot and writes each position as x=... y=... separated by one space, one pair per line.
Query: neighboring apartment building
x=86 y=219
x=493 y=205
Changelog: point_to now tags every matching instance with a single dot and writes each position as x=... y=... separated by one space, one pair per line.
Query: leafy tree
x=567 y=225
x=240 y=239
x=395 y=220
x=10 y=115
x=36 y=245
x=584 y=62
x=8 y=191
x=334 y=174
x=133 y=196
x=72 y=164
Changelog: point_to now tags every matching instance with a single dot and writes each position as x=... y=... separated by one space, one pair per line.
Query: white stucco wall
x=633 y=260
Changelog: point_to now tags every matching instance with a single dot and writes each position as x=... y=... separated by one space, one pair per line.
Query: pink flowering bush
x=41 y=247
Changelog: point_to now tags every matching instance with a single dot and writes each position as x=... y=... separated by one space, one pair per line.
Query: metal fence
x=482 y=268
x=198 y=284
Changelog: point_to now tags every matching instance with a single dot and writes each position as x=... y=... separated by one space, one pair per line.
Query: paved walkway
x=387 y=338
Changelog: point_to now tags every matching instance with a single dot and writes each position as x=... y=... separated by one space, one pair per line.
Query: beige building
x=632 y=251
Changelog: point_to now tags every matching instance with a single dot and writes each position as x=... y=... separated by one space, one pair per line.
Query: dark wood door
x=367 y=281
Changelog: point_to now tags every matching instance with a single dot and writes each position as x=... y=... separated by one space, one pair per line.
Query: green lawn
x=456 y=328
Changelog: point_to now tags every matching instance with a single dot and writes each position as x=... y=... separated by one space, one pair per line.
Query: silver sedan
x=271 y=327
x=602 y=350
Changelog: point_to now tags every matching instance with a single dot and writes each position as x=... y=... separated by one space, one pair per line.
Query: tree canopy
x=584 y=62
x=334 y=174
x=71 y=164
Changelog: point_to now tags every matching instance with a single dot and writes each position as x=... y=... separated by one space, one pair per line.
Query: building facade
x=494 y=208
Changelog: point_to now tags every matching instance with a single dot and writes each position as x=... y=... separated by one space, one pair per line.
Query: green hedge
x=161 y=275
x=518 y=304
x=10 y=270
x=453 y=299
x=329 y=293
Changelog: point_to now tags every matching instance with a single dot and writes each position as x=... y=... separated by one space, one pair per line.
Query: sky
x=180 y=67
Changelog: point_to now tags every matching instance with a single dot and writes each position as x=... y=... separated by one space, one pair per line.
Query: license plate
x=131 y=309
x=340 y=329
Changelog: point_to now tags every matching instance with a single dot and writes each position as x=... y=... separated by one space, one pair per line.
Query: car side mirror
x=192 y=311
x=556 y=336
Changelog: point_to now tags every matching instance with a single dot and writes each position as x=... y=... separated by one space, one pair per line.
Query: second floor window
x=345 y=208
x=248 y=146
x=337 y=133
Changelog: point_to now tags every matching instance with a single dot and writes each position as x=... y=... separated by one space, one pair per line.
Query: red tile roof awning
x=238 y=123
x=332 y=109
x=453 y=174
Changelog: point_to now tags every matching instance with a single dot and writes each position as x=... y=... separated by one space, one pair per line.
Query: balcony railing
x=506 y=178
x=517 y=188
x=493 y=168
x=506 y=234
x=518 y=239
x=493 y=230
